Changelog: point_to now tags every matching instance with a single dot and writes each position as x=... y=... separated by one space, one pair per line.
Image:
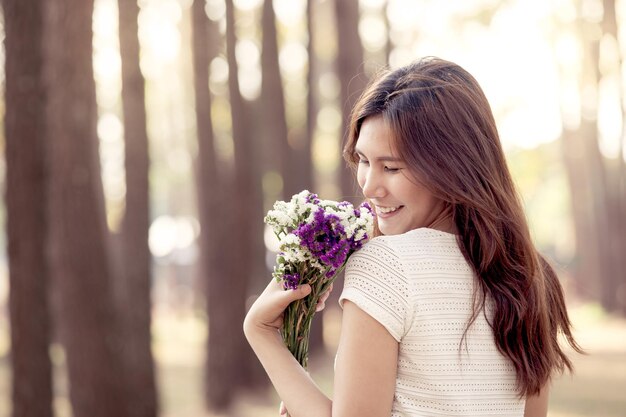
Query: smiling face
x=401 y=203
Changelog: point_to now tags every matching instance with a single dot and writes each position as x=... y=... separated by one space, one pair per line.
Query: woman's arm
x=537 y=405
x=365 y=369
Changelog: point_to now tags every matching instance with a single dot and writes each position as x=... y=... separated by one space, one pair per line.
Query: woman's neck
x=443 y=221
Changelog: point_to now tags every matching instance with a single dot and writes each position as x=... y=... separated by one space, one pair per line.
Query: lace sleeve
x=375 y=281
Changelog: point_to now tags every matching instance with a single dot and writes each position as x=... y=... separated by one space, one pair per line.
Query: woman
x=450 y=311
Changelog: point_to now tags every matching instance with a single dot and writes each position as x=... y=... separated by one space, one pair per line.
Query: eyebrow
x=380 y=158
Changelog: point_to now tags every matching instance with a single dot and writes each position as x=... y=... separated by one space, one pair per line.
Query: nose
x=371 y=184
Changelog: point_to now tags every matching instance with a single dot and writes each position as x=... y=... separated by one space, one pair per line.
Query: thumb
x=296 y=294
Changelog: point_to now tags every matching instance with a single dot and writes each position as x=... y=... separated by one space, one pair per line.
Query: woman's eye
x=390 y=169
x=363 y=161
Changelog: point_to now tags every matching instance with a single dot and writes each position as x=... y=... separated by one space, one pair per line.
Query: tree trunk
x=616 y=294
x=351 y=78
x=136 y=259
x=589 y=187
x=229 y=361
x=306 y=155
x=389 y=43
x=577 y=169
x=273 y=105
x=83 y=303
x=213 y=217
x=25 y=99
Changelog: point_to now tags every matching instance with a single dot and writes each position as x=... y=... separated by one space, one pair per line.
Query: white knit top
x=419 y=287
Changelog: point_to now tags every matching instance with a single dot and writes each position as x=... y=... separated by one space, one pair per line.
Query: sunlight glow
x=168 y=233
x=179 y=160
x=247 y=5
x=371 y=4
x=289 y=11
x=403 y=14
x=110 y=133
x=564 y=10
x=250 y=82
x=610 y=117
x=105 y=22
x=218 y=75
x=248 y=59
x=158 y=31
x=329 y=86
x=592 y=10
x=247 y=52
x=108 y=79
x=373 y=32
x=329 y=119
x=326 y=153
x=293 y=57
x=215 y=9
x=107 y=65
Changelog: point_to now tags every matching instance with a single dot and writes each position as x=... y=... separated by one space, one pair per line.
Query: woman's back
x=420 y=287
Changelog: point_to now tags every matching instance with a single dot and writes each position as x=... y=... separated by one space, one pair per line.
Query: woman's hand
x=321 y=303
x=266 y=314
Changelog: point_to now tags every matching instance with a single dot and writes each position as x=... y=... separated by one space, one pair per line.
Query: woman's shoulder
x=419 y=250
x=395 y=249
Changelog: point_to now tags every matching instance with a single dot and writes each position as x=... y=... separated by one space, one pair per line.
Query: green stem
x=296 y=337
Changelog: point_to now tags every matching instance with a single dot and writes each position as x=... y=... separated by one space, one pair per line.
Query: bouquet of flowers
x=316 y=238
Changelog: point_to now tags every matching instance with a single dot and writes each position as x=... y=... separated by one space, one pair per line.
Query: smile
x=384 y=212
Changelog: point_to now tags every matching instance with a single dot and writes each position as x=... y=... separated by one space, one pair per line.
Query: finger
x=321 y=303
x=287 y=297
x=328 y=291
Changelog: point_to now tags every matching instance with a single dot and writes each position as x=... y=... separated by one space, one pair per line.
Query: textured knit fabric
x=419 y=287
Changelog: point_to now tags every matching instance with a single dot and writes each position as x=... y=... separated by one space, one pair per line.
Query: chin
x=390 y=230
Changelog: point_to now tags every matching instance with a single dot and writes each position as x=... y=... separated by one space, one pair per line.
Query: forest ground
x=596 y=389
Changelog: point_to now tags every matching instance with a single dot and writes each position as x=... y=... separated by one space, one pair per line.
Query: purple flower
x=336 y=256
x=325 y=238
x=313 y=199
x=356 y=245
x=365 y=205
x=291 y=281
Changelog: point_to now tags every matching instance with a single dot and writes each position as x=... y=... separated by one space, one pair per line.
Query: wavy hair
x=443 y=127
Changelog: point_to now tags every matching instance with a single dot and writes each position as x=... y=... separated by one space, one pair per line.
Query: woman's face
x=401 y=203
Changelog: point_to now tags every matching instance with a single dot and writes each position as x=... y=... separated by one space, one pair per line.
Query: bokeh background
x=142 y=142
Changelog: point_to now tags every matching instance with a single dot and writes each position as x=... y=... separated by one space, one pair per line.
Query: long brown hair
x=445 y=131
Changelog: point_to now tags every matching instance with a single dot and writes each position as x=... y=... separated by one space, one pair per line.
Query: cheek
x=405 y=187
x=360 y=175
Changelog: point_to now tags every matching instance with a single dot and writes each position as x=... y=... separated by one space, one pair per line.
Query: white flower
x=300 y=198
x=290 y=239
x=278 y=219
x=328 y=204
x=360 y=234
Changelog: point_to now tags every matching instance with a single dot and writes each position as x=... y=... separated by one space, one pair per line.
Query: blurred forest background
x=143 y=141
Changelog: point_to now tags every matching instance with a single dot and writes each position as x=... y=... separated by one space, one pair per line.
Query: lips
x=385 y=212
